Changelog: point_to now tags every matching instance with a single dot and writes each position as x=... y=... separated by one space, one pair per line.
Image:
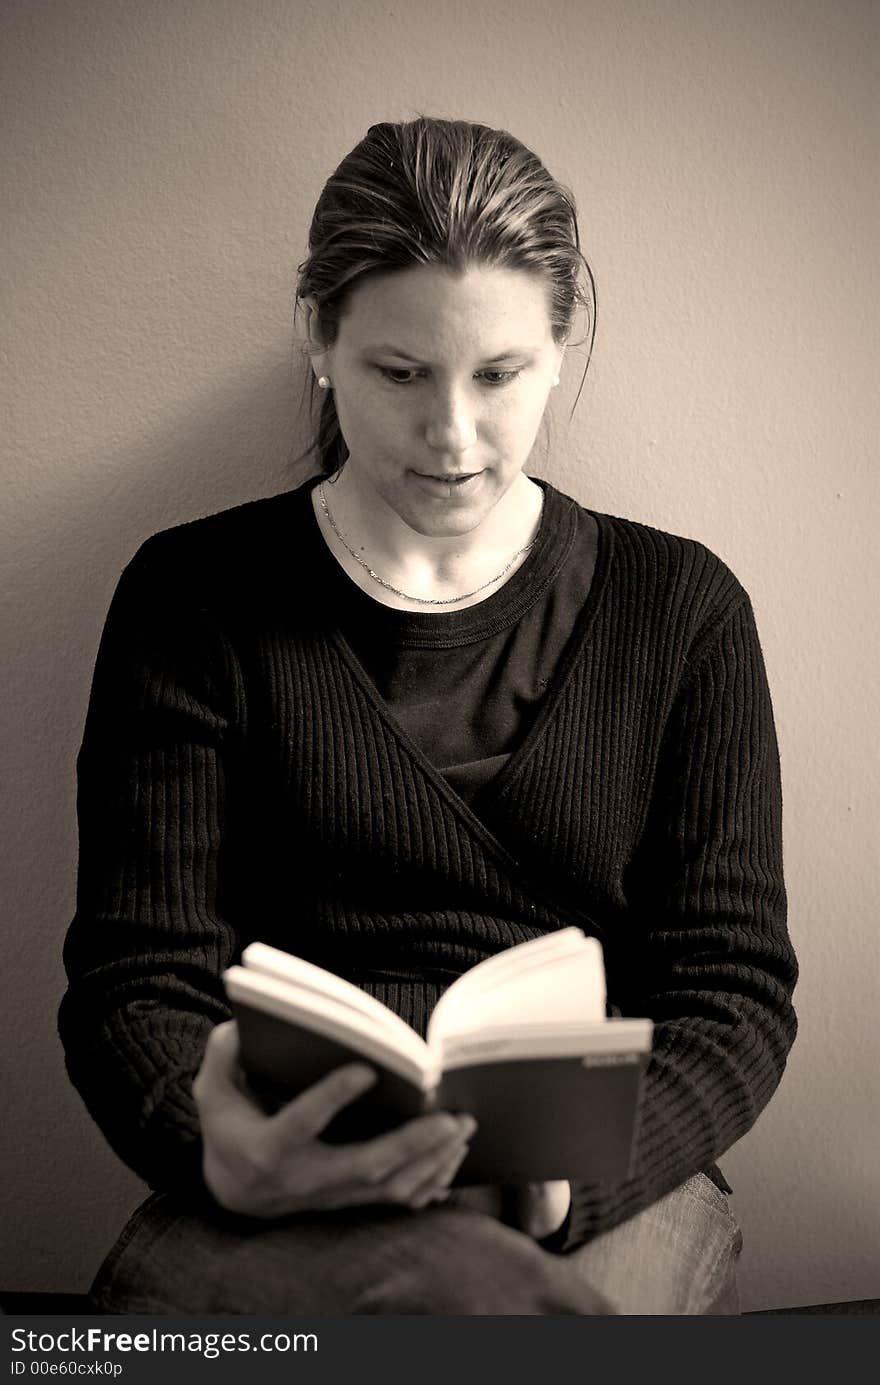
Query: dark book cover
x=539 y=1118
x=547 y=1118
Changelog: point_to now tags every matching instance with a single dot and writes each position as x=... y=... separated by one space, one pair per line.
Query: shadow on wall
x=67 y=1195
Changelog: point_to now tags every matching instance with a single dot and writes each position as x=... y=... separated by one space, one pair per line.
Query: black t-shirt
x=466 y=685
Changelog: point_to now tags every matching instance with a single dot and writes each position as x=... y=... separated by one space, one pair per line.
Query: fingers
x=303 y=1119
x=412 y=1184
x=425 y=1179
x=434 y=1186
x=542 y=1207
x=221 y=1050
x=274 y=1165
x=376 y=1161
x=217 y=1077
x=414 y=1160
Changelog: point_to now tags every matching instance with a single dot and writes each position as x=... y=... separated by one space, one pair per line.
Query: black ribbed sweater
x=240 y=778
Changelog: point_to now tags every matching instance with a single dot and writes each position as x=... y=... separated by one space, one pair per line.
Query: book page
x=494 y=971
x=404 y=1052
x=605 y=1043
x=560 y=977
x=308 y=979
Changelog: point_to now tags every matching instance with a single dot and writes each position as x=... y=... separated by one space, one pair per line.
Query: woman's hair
x=438 y=192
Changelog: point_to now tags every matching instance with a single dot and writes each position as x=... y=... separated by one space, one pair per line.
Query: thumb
x=217 y=1078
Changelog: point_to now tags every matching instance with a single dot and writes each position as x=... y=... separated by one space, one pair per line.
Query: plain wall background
x=164 y=159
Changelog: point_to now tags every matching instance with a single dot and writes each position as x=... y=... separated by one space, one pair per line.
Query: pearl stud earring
x=555 y=379
x=323 y=382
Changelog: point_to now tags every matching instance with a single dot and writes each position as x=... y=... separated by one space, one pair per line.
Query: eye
x=500 y=377
x=401 y=375
x=398 y=375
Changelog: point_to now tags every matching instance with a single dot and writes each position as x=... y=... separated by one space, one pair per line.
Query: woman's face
x=441 y=381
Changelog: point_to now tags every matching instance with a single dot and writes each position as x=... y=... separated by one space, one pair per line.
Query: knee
x=468 y=1264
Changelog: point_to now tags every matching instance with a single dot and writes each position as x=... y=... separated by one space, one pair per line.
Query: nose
x=451 y=425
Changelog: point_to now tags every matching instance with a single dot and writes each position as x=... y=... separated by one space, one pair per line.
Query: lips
x=448 y=478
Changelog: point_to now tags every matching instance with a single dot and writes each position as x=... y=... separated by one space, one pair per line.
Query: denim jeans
x=676 y=1257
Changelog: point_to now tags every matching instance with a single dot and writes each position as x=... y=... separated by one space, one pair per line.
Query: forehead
x=429 y=309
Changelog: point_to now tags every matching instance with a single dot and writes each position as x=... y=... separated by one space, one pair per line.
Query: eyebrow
x=391 y=350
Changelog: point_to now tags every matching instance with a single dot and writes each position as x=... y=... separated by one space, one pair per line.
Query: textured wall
x=165 y=158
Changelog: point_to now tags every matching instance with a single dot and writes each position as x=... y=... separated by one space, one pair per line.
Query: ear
x=560 y=357
x=315 y=345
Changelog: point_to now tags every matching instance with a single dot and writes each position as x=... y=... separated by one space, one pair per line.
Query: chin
x=443 y=526
x=435 y=510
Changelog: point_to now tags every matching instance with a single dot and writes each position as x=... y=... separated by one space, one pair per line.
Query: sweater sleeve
x=150 y=936
x=716 y=971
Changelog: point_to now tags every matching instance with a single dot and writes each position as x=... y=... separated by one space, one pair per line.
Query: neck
x=426 y=567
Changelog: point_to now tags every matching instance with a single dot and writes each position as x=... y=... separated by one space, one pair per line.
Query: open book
x=521 y=1042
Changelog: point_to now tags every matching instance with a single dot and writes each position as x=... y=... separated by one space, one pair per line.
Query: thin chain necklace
x=422 y=600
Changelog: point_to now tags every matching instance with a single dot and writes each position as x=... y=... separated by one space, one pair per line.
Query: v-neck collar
x=438 y=629
x=549 y=705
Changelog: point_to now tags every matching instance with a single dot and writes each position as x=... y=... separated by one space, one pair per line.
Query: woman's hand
x=271 y=1166
x=538 y=1209
x=541 y=1208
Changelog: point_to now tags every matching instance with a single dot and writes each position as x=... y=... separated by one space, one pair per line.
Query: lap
x=443 y=1260
x=677 y=1257
x=439 y=1261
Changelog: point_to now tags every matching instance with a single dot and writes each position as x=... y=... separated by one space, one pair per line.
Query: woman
x=401 y=718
